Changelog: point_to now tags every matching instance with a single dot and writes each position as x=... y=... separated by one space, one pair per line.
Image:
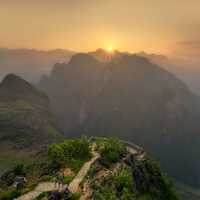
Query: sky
x=157 y=26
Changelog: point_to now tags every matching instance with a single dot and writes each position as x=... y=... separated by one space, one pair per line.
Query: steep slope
x=26 y=123
x=72 y=88
x=109 y=170
x=186 y=69
x=131 y=98
x=153 y=107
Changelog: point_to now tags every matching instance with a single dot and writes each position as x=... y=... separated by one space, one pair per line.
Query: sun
x=110 y=49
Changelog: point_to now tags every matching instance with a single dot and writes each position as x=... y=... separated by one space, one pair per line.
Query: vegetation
x=139 y=102
x=26 y=122
x=122 y=177
x=71 y=153
x=116 y=186
x=144 y=181
x=111 y=150
x=151 y=183
x=10 y=194
x=41 y=196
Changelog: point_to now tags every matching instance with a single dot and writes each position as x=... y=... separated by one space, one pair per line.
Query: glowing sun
x=110 y=49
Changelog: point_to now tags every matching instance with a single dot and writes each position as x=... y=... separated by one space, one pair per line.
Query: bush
x=67 y=179
x=56 y=155
x=41 y=196
x=77 y=149
x=71 y=152
x=10 y=194
x=111 y=150
x=116 y=186
x=153 y=182
x=19 y=170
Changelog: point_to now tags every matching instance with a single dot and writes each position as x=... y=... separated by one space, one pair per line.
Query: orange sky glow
x=155 y=26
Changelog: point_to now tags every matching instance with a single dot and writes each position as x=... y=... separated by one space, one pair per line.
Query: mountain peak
x=11 y=77
x=14 y=82
x=14 y=87
x=105 y=56
x=83 y=58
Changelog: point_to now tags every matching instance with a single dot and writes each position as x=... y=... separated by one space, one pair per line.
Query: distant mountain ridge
x=132 y=98
x=30 y=63
x=185 y=70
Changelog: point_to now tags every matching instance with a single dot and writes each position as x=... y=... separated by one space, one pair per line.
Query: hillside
x=90 y=169
x=127 y=96
x=26 y=122
x=186 y=69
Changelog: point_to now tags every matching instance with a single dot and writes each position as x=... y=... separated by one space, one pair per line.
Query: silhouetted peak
x=100 y=50
x=105 y=56
x=14 y=81
x=15 y=87
x=83 y=58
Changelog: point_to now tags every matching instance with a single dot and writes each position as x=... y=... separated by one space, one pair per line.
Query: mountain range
x=31 y=64
x=127 y=96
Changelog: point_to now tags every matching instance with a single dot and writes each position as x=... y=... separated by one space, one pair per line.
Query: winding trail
x=42 y=187
x=74 y=185
x=53 y=186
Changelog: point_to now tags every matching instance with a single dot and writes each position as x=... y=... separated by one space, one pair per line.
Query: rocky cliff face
x=131 y=98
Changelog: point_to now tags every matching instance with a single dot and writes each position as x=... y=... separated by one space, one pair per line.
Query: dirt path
x=52 y=186
x=74 y=185
x=42 y=187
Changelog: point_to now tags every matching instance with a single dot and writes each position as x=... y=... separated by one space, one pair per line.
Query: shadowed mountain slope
x=26 y=122
x=131 y=98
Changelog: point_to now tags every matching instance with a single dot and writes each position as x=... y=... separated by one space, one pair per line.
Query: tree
x=56 y=155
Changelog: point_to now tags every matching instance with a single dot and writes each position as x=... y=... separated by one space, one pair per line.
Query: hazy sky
x=158 y=26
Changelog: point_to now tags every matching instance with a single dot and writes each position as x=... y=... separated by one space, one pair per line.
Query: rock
x=65 y=195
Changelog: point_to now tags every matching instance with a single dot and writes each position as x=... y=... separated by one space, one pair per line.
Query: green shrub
x=116 y=187
x=111 y=150
x=41 y=196
x=75 y=196
x=10 y=194
x=153 y=182
x=67 y=179
x=124 y=179
x=72 y=153
x=77 y=149
x=19 y=170
x=56 y=155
